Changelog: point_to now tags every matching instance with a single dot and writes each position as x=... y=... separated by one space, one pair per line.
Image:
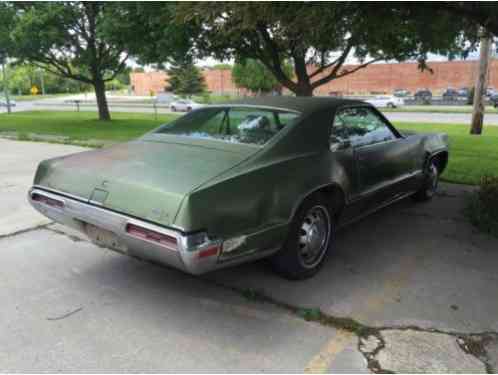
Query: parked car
x=184 y=105
x=402 y=93
x=464 y=92
x=450 y=94
x=494 y=100
x=423 y=95
x=3 y=102
x=490 y=92
x=386 y=101
x=226 y=184
x=337 y=94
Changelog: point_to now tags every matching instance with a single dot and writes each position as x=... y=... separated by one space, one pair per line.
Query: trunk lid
x=147 y=178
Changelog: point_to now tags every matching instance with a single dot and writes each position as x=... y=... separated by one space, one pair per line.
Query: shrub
x=482 y=207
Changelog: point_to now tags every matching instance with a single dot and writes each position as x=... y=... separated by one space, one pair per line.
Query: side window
x=361 y=126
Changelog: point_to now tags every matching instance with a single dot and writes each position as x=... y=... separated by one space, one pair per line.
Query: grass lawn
x=470 y=156
x=81 y=125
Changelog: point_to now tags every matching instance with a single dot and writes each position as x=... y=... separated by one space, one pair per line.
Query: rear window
x=231 y=124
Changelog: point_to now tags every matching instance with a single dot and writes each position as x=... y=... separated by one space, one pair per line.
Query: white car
x=185 y=105
x=386 y=101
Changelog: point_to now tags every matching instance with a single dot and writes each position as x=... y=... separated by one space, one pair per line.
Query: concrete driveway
x=411 y=289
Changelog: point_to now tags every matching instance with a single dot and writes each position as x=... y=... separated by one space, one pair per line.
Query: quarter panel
x=263 y=196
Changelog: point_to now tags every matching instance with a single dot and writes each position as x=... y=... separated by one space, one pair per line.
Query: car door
x=385 y=160
x=182 y=105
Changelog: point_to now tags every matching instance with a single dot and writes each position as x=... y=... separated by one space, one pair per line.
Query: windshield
x=231 y=124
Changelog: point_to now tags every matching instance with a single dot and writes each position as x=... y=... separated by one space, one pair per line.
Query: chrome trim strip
x=93 y=204
x=77 y=214
x=60 y=192
x=104 y=212
x=386 y=184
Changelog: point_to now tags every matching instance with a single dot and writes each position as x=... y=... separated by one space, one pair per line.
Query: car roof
x=305 y=105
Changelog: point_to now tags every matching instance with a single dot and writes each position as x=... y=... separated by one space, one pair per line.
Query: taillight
x=151 y=235
x=48 y=201
x=210 y=251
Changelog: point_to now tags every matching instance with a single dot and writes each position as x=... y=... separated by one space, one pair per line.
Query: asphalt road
x=442 y=118
x=57 y=104
x=68 y=305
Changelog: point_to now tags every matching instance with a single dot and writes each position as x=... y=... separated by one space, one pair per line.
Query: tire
x=173 y=109
x=390 y=105
x=189 y=109
x=430 y=184
x=308 y=241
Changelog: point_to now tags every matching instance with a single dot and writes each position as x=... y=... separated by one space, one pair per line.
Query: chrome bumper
x=186 y=256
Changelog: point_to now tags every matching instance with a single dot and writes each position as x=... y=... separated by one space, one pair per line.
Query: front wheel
x=391 y=105
x=173 y=109
x=430 y=184
x=310 y=236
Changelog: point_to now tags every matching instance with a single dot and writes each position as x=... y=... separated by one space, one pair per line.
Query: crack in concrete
x=27 y=230
x=475 y=342
x=471 y=343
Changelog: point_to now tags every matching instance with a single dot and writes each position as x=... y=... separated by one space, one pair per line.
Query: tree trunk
x=102 y=106
x=6 y=87
x=303 y=89
x=480 y=87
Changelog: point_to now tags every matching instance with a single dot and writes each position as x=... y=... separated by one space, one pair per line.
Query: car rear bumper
x=192 y=253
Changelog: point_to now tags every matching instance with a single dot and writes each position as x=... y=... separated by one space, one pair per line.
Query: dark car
x=494 y=100
x=230 y=183
x=450 y=94
x=423 y=96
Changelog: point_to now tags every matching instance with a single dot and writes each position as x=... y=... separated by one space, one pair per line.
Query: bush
x=482 y=208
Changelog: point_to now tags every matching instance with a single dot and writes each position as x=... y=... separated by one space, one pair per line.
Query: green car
x=222 y=185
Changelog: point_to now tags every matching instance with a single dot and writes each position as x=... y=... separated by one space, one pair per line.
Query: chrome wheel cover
x=314 y=236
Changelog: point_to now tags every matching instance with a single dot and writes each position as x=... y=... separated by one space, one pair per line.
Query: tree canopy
x=66 y=39
x=185 y=79
x=254 y=76
x=319 y=38
x=482 y=13
x=149 y=31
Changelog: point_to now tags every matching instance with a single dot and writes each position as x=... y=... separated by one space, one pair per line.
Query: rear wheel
x=391 y=105
x=173 y=109
x=431 y=182
x=308 y=241
x=189 y=109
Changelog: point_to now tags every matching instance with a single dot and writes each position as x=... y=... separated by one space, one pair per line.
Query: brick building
x=374 y=78
x=217 y=81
